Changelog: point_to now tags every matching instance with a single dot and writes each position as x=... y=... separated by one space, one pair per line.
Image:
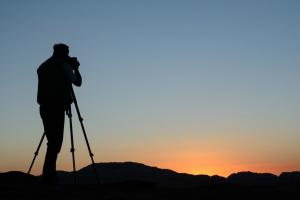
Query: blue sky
x=194 y=86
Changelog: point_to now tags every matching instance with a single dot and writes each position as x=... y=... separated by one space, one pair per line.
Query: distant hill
x=131 y=172
x=15 y=177
x=116 y=172
x=253 y=179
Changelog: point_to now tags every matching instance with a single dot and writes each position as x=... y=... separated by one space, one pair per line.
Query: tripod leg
x=69 y=113
x=89 y=149
x=84 y=133
x=36 y=153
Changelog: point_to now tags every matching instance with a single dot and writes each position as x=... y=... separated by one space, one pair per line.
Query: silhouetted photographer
x=55 y=78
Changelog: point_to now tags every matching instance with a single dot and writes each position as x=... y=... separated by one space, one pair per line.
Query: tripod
x=72 y=150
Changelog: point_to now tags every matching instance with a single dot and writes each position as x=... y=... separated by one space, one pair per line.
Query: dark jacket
x=53 y=86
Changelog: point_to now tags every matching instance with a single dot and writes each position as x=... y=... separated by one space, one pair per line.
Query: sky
x=202 y=87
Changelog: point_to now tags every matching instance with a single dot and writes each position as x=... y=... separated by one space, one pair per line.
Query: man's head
x=61 y=50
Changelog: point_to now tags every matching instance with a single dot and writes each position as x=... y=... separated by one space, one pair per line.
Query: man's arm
x=72 y=73
x=78 y=80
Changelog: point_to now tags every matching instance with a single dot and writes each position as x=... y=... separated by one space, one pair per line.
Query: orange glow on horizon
x=228 y=169
x=223 y=165
x=209 y=167
x=208 y=161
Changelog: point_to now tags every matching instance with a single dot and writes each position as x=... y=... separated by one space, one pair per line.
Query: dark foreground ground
x=134 y=191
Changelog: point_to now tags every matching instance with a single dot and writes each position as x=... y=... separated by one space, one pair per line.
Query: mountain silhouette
x=253 y=179
x=116 y=172
x=290 y=178
x=131 y=172
x=129 y=180
x=15 y=177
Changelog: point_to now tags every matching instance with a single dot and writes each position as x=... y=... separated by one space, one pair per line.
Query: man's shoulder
x=49 y=63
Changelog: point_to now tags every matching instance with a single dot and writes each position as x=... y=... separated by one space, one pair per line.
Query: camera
x=73 y=62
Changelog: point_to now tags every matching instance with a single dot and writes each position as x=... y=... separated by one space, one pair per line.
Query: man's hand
x=78 y=80
x=76 y=64
x=73 y=62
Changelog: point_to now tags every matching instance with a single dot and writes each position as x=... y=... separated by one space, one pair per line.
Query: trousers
x=53 y=118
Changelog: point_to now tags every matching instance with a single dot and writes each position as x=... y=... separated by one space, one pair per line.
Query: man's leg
x=53 y=120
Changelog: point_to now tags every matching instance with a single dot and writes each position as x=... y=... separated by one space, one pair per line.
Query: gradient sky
x=203 y=87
